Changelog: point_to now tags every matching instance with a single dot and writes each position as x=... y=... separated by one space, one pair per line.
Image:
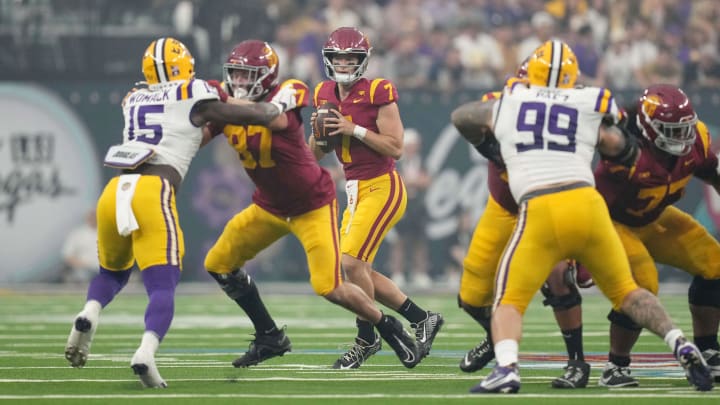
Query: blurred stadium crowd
x=429 y=44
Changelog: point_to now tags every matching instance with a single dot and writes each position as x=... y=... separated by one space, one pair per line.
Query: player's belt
x=165 y=171
x=552 y=190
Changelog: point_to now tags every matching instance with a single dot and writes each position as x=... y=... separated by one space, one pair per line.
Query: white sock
x=92 y=309
x=672 y=336
x=506 y=352
x=150 y=342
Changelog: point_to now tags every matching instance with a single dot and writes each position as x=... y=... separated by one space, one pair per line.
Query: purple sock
x=160 y=283
x=106 y=285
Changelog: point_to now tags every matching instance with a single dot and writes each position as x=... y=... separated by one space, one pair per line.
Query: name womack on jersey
x=149 y=97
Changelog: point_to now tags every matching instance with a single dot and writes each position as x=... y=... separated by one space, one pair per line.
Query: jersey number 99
x=561 y=120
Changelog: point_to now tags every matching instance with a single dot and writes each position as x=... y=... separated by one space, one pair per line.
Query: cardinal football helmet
x=667 y=118
x=553 y=64
x=346 y=41
x=251 y=69
x=522 y=71
x=167 y=60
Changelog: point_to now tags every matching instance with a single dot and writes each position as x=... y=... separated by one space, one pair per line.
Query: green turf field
x=209 y=332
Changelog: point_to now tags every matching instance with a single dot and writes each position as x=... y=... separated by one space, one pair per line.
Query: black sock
x=707 y=342
x=620 y=361
x=412 y=312
x=366 y=330
x=255 y=309
x=574 y=344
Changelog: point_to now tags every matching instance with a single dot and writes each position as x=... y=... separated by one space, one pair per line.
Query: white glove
x=285 y=99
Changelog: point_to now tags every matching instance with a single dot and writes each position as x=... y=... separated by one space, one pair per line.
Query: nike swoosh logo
x=409 y=356
x=357 y=100
x=424 y=336
x=466 y=361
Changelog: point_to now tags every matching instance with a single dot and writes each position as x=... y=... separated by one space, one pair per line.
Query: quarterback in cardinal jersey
x=368 y=119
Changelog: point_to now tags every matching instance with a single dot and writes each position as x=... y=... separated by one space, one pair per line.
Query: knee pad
x=562 y=302
x=235 y=284
x=704 y=292
x=622 y=320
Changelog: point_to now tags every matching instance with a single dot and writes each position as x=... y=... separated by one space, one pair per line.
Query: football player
x=674 y=147
x=490 y=236
x=293 y=195
x=547 y=134
x=136 y=213
x=368 y=120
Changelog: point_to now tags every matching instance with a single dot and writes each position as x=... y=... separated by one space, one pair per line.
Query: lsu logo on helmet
x=167 y=60
x=554 y=65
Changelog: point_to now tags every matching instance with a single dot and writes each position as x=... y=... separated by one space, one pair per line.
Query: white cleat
x=78 y=344
x=143 y=365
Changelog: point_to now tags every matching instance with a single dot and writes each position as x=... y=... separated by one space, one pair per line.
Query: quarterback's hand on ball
x=338 y=125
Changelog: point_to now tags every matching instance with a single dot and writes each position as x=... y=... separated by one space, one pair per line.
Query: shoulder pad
x=382 y=92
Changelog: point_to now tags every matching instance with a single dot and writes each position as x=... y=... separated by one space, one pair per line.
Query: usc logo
x=651 y=103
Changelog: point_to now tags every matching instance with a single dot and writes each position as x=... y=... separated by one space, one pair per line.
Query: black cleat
x=478 y=357
x=264 y=347
x=712 y=358
x=357 y=354
x=407 y=350
x=576 y=375
x=426 y=330
x=615 y=376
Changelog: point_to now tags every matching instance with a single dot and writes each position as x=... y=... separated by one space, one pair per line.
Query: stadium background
x=65 y=66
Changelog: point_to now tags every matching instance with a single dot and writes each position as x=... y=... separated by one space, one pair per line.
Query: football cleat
x=264 y=347
x=692 y=361
x=576 y=375
x=615 y=376
x=78 y=344
x=478 y=357
x=143 y=365
x=357 y=354
x=712 y=358
x=426 y=330
x=405 y=347
x=502 y=380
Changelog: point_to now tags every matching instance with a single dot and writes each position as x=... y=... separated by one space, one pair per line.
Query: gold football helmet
x=553 y=64
x=167 y=60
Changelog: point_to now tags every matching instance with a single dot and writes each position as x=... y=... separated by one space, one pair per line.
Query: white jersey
x=159 y=118
x=548 y=136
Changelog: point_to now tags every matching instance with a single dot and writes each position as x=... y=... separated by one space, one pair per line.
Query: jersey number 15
x=148 y=133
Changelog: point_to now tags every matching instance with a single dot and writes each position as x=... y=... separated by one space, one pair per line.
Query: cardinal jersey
x=159 y=117
x=548 y=136
x=637 y=195
x=361 y=106
x=497 y=176
x=288 y=179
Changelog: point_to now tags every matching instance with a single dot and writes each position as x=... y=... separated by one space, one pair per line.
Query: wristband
x=359 y=132
x=279 y=105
